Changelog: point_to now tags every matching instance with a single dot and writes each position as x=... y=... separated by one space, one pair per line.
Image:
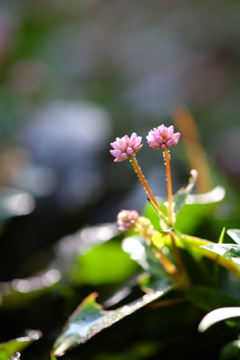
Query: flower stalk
x=144 y=182
x=169 y=267
x=161 y=138
x=166 y=156
x=126 y=148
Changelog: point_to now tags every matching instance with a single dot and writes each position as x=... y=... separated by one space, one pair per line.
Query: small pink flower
x=126 y=219
x=126 y=148
x=163 y=137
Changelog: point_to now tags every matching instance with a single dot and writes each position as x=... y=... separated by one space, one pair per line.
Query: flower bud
x=163 y=137
x=125 y=147
x=126 y=219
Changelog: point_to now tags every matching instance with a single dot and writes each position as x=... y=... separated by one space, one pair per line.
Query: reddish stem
x=144 y=182
x=166 y=156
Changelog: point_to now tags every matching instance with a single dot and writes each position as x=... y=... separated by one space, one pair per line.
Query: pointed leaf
x=201 y=247
x=9 y=348
x=162 y=221
x=90 y=318
x=228 y=251
x=221 y=237
x=157 y=211
x=235 y=235
x=180 y=197
x=152 y=215
x=218 y=315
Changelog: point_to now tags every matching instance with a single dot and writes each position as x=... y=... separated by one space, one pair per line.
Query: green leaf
x=181 y=196
x=228 y=251
x=154 y=215
x=192 y=216
x=9 y=348
x=191 y=243
x=201 y=247
x=198 y=248
x=92 y=268
x=218 y=315
x=235 y=235
x=221 y=237
x=90 y=318
x=198 y=208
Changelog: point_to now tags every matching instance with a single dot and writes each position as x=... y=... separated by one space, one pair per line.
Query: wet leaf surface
x=235 y=235
x=90 y=318
x=229 y=253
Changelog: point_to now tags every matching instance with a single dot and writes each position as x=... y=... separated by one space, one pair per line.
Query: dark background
x=76 y=74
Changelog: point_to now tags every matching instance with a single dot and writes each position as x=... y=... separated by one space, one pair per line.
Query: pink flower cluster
x=125 y=147
x=126 y=219
x=163 y=137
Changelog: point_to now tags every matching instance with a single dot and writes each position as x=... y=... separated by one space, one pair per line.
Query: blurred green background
x=76 y=74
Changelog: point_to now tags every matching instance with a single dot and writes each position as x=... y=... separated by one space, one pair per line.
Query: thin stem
x=144 y=182
x=166 y=155
x=176 y=251
x=183 y=277
x=166 y=263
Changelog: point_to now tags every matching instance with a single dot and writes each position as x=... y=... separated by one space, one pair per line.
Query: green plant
x=181 y=280
x=174 y=264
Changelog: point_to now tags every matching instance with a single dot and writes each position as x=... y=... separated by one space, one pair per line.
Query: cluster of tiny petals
x=126 y=219
x=125 y=147
x=163 y=137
